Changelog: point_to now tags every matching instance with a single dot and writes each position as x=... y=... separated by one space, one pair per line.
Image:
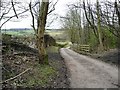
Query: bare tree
x=43 y=59
x=73 y=24
x=98 y=22
x=109 y=17
x=11 y=9
x=41 y=16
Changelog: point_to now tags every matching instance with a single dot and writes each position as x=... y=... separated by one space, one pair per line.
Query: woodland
x=34 y=60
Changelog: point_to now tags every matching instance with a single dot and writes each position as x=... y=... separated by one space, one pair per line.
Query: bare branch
x=14 y=8
x=15 y=15
x=53 y=7
x=33 y=18
x=91 y=24
x=4 y=13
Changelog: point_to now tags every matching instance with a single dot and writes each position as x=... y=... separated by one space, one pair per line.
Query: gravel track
x=89 y=73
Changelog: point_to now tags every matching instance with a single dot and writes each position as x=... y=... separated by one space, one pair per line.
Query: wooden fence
x=81 y=48
x=85 y=48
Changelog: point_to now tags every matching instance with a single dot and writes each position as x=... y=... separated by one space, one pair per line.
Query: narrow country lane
x=89 y=73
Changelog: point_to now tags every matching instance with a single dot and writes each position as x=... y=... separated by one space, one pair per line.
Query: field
x=54 y=33
x=31 y=32
x=59 y=35
x=20 y=32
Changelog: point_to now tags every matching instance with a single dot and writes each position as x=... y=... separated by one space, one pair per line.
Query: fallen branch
x=16 y=76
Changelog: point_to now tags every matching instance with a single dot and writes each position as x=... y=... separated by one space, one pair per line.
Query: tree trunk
x=117 y=11
x=101 y=48
x=43 y=57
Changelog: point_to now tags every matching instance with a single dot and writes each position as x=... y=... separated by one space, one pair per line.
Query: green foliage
x=112 y=40
x=92 y=42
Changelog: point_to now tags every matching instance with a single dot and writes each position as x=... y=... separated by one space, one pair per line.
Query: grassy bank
x=38 y=76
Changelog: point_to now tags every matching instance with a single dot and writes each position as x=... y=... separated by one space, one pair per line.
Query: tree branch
x=15 y=16
x=14 y=8
x=12 y=78
x=4 y=13
x=33 y=18
x=93 y=26
x=53 y=7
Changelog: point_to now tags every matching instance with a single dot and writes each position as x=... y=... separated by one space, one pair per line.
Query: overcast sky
x=60 y=9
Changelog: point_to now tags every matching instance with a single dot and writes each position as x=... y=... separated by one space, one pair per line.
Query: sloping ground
x=112 y=57
x=22 y=58
x=61 y=80
x=89 y=73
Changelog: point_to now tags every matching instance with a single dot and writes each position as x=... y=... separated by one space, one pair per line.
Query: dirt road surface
x=89 y=73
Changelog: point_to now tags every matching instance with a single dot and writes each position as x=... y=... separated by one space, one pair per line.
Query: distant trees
x=97 y=25
x=72 y=24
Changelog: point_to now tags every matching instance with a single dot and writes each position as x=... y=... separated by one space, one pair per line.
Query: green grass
x=63 y=44
x=41 y=76
x=20 y=33
x=31 y=32
x=54 y=33
x=52 y=49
